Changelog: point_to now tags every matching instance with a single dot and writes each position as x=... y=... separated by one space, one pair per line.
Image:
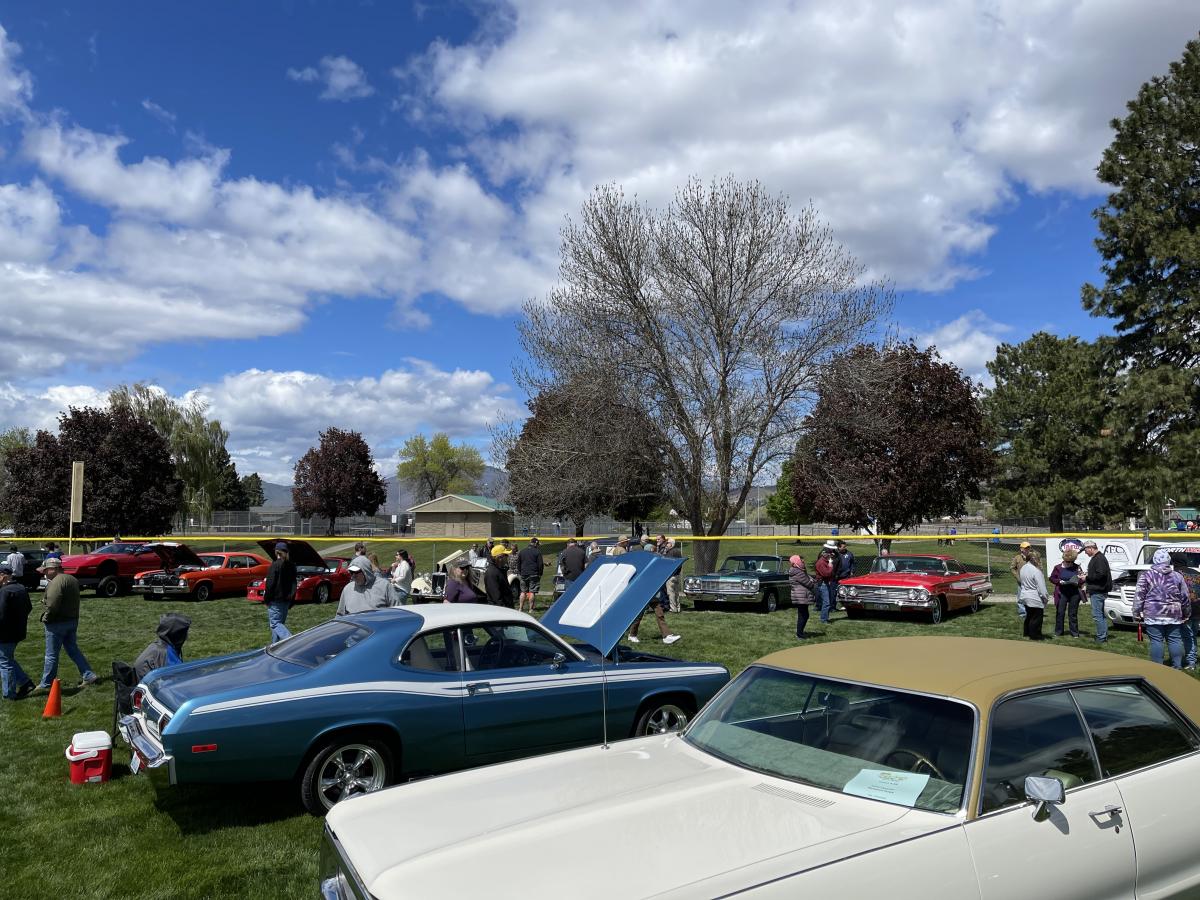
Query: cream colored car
x=431 y=586
x=899 y=768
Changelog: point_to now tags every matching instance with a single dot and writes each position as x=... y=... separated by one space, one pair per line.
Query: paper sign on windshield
x=893 y=787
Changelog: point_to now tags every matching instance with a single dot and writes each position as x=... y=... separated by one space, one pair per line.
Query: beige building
x=463 y=516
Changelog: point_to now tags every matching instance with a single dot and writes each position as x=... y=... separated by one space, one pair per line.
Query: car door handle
x=478 y=687
x=1109 y=810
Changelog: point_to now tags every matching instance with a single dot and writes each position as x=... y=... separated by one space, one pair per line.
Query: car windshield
x=117 y=548
x=918 y=564
x=320 y=644
x=900 y=748
x=748 y=564
x=1187 y=558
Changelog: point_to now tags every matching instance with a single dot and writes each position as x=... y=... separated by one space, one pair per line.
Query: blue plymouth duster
x=367 y=700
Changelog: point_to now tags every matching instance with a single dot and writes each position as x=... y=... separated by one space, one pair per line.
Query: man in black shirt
x=14 y=619
x=1097 y=583
x=495 y=578
x=572 y=561
x=529 y=570
x=279 y=592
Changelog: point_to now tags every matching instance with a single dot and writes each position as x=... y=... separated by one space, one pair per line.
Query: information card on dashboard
x=895 y=787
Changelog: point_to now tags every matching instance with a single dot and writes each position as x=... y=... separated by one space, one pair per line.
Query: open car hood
x=612 y=591
x=174 y=555
x=302 y=553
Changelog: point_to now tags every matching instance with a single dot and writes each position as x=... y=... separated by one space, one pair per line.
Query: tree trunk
x=579 y=529
x=704 y=556
x=332 y=531
x=1056 y=518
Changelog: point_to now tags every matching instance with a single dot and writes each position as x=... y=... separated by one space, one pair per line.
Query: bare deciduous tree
x=714 y=316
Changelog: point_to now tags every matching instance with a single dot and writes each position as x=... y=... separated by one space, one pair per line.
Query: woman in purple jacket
x=1163 y=603
x=457 y=588
x=1067 y=579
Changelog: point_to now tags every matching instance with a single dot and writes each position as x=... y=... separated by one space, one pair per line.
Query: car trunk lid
x=174 y=686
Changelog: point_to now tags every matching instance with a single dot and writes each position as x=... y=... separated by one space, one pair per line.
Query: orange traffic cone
x=54 y=702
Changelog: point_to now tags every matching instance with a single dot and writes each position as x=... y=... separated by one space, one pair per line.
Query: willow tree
x=714 y=317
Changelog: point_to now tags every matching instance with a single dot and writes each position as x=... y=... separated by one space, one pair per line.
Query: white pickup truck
x=1128 y=558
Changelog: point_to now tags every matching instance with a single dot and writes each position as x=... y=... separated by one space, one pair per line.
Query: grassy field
x=120 y=839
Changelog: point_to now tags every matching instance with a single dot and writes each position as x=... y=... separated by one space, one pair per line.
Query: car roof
x=921 y=556
x=442 y=615
x=978 y=670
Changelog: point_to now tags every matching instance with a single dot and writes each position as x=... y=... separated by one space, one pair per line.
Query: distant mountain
x=399 y=496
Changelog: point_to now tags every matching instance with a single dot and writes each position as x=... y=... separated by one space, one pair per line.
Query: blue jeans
x=1172 y=636
x=1097 y=599
x=1020 y=608
x=60 y=636
x=826 y=597
x=12 y=676
x=1189 y=642
x=277 y=614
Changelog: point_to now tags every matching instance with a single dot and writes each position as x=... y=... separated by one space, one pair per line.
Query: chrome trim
x=333 y=852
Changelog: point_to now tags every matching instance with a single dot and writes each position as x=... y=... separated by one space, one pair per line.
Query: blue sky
x=327 y=213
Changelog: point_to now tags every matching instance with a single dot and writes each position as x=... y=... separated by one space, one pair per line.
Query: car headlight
x=843 y=592
x=853 y=591
x=182 y=583
x=750 y=584
x=692 y=583
x=912 y=593
x=139 y=581
x=256 y=584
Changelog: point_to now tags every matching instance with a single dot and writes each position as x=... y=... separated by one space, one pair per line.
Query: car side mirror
x=558 y=659
x=1044 y=792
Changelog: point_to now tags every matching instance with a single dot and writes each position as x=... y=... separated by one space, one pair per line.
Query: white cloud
x=343 y=79
x=906 y=122
x=274 y=417
x=969 y=342
x=165 y=116
x=16 y=87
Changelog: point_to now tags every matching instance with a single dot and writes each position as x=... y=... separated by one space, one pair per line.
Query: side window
x=235 y=562
x=1130 y=729
x=1039 y=734
x=435 y=651
x=501 y=646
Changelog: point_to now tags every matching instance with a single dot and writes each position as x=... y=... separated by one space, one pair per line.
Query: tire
x=321 y=594
x=770 y=601
x=109 y=586
x=937 y=615
x=976 y=600
x=662 y=717
x=203 y=592
x=343 y=767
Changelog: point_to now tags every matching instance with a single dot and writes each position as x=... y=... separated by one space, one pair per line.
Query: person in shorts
x=529 y=571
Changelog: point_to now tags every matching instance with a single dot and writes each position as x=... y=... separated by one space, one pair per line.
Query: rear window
x=320 y=644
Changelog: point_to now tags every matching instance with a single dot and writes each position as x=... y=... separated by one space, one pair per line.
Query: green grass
x=120 y=839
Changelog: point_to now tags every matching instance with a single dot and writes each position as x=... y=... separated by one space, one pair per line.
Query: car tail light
x=136 y=700
x=163 y=721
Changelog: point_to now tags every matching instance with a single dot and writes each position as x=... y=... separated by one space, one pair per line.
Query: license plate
x=877 y=605
x=158 y=589
x=135 y=763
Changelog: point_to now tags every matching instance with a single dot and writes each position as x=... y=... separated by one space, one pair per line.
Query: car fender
x=368 y=724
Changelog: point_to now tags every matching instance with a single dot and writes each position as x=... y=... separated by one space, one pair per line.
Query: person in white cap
x=827 y=566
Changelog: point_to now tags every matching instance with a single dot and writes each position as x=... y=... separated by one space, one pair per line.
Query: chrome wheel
x=348 y=770
x=663 y=719
x=323 y=593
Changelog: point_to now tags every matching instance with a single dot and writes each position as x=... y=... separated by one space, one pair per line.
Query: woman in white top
x=402 y=576
x=1031 y=590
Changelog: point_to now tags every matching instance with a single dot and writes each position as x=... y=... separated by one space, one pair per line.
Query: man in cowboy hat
x=827 y=583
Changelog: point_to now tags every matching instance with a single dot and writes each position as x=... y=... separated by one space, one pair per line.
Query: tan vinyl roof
x=978 y=670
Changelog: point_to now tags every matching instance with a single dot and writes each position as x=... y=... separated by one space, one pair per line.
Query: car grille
x=872 y=592
x=161 y=578
x=719 y=586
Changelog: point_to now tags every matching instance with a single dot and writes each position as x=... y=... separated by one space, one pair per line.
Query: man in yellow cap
x=1025 y=553
x=495 y=579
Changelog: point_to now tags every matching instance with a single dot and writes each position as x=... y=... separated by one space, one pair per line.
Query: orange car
x=199 y=576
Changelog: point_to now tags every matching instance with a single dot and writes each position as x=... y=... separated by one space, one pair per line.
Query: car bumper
x=149 y=756
x=887 y=605
x=1118 y=612
x=339 y=880
x=713 y=597
x=160 y=589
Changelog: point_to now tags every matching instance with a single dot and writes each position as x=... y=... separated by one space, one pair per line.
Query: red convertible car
x=932 y=585
x=319 y=579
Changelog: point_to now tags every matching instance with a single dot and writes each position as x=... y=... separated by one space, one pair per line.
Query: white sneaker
x=671 y=638
x=633 y=639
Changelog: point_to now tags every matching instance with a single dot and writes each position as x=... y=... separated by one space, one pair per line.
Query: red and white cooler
x=90 y=754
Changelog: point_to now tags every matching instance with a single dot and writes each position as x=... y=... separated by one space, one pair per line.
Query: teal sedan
x=368 y=700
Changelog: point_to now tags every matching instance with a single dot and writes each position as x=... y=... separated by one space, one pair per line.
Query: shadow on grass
x=201 y=809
